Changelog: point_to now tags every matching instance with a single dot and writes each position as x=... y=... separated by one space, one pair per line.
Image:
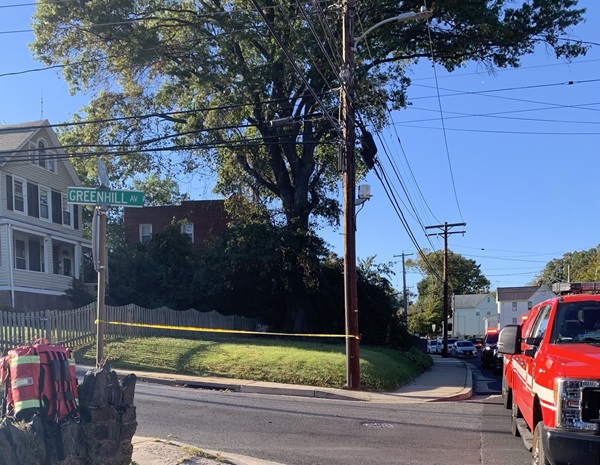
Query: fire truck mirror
x=509 y=340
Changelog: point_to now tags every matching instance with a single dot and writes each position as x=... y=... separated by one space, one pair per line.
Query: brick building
x=202 y=219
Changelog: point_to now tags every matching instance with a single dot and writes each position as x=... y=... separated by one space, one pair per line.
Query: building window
x=44 y=199
x=145 y=233
x=476 y=313
x=488 y=313
x=514 y=306
x=514 y=321
x=529 y=305
x=20 y=255
x=66 y=211
x=29 y=254
x=187 y=229
x=19 y=195
x=38 y=155
x=63 y=259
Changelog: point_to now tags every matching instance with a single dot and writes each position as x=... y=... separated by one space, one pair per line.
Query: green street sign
x=114 y=198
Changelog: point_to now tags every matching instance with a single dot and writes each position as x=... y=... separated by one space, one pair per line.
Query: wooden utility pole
x=404 y=291
x=445 y=233
x=347 y=163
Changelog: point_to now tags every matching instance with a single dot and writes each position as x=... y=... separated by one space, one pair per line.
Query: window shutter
x=33 y=205
x=56 y=207
x=9 y=192
x=76 y=216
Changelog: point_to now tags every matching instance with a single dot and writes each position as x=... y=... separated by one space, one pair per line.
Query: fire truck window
x=538 y=329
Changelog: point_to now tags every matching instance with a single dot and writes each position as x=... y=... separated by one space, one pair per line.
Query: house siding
x=29 y=288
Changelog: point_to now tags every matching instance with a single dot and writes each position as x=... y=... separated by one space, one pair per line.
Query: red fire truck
x=552 y=376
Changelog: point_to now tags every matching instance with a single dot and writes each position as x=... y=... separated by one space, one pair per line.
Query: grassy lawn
x=297 y=362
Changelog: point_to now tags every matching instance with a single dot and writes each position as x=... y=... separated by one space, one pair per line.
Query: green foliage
x=464 y=277
x=159 y=272
x=78 y=294
x=581 y=265
x=263 y=359
x=205 y=79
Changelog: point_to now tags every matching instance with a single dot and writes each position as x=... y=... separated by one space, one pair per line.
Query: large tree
x=208 y=78
x=583 y=265
x=464 y=277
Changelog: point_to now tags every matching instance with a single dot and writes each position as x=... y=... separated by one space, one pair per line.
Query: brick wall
x=207 y=216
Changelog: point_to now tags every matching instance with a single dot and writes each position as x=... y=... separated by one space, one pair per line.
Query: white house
x=515 y=302
x=41 y=241
x=469 y=313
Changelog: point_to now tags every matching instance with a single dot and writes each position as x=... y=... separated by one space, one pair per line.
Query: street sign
x=111 y=197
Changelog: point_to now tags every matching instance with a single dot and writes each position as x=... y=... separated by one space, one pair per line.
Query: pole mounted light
x=423 y=14
x=347 y=165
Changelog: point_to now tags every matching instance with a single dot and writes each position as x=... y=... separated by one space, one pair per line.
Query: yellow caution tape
x=216 y=330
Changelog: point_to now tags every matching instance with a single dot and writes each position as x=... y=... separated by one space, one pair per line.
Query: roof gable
x=518 y=293
x=469 y=300
x=14 y=139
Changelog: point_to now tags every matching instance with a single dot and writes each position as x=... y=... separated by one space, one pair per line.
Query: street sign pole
x=100 y=307
x=102 y=198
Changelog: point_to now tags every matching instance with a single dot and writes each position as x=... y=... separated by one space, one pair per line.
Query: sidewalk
x=447 y=380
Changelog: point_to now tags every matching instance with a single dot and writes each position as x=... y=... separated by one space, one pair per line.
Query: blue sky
x=518 y=161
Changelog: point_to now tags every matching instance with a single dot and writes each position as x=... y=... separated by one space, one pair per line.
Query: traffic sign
x=111 y=197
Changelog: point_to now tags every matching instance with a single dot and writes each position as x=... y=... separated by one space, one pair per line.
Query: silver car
x=464 y=349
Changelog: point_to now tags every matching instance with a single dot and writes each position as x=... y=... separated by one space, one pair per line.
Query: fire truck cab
x=552 y=376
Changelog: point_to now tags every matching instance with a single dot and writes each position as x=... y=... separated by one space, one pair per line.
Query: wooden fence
x=76 y=327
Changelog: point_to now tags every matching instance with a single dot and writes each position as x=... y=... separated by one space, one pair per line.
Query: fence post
x=48 y=325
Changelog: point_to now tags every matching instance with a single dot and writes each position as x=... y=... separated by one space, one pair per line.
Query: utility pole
x=348 y=166
x=444 y=227
x=404 y=292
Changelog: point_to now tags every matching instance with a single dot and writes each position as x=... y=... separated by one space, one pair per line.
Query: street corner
x=154 y=451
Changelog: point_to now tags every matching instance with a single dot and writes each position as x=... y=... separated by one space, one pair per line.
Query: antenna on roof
x=42 y=105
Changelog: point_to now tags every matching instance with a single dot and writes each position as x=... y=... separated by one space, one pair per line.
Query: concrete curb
x=466 y=393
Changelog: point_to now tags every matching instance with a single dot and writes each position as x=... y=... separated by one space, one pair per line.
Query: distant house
x=469 y=313
x=515 y=302
x=41 y=241
x=200 y=220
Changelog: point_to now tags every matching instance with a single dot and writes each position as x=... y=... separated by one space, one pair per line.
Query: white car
x=432 y=346
x=464 y=349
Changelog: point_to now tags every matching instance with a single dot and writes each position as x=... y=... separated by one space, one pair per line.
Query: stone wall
x=103 y=436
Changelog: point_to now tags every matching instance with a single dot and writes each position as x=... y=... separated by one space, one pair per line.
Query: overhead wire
x=439 y=100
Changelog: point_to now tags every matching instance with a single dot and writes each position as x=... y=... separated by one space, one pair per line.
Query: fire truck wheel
x=506 y=395
x=538 y=456
x=514 y=414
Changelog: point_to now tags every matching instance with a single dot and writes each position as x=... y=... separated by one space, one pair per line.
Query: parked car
x=464 y=349
x=488 y=353
x=477 y=342
x=440 y=345
x=432 y=346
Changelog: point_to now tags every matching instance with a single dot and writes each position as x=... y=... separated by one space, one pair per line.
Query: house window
x=187 y=229
x=20 y=255
x=66 y=211
x=63 y=260
x=514 y=306
x=145 y=233
x=19 y=195
x=529 y=305
x=38 y=155
x=44 y=199
x=29 y=254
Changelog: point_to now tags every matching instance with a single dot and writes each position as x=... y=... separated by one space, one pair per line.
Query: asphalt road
x=308 y=431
